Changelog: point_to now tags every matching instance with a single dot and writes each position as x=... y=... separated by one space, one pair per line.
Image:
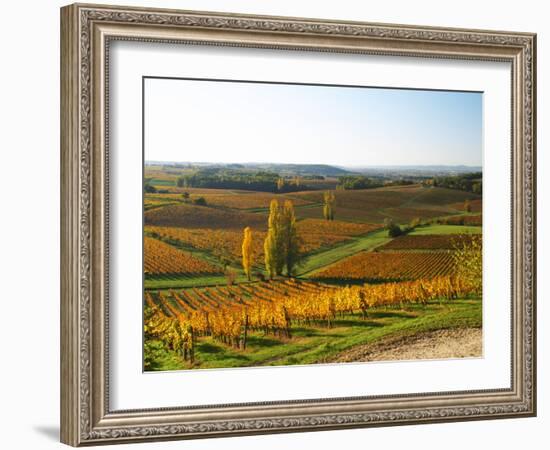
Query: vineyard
x=381 y=266
x=444 y=197
x=475 y=206
x=427 y=242
x=229 y=314
x=192 y=216
x=232 y=280
x=402 y=203
x=221 y=243
x=248 y=200
x=474 y=219
x=408 y=214
x=240 y=200
x=161 y=258
x=335 y=227
x=226 y=243
x=151 y=204
x=369 y=199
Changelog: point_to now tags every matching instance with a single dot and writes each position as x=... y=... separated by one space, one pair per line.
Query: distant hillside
x=400 y=203
x=282 y=169
x=416 y=171
x=303 y=169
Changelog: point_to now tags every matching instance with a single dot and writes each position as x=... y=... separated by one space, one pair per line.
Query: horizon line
x=310 y=164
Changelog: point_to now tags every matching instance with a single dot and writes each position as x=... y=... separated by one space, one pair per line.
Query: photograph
x=294 y=224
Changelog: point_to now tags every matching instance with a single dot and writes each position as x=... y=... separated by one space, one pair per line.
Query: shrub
x=150 y=189
x=394 y=230
x=200 y=201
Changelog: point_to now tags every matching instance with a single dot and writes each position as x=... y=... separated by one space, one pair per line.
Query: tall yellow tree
x=328 y=207
x=247 y=251
x=273 y=245
x=290 y=238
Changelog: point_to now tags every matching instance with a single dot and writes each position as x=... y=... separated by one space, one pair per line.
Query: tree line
x=469 y=182
x=233 y=179
x=351 y=182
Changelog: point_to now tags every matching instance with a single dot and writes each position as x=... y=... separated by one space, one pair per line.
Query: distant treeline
x=362 y=182
x=229 y=179
x=469 y=182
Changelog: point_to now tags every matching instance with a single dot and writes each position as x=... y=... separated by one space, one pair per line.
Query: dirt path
x=440 y=344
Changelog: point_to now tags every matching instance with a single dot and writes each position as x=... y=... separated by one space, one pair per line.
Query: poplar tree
x=328 y=207
x=291 y=240
x=247 y=251
x=273 y=249
x=281 y=245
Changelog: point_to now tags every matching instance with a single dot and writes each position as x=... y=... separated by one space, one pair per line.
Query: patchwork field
x=389 y=266
x=225 y=244
x=427 y=242
x=195 y=216
x=402 y=203
x=161 y=258
x=464 y=219
x=231 y=281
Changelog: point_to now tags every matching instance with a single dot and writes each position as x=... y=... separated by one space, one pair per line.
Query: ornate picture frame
x=86 y=34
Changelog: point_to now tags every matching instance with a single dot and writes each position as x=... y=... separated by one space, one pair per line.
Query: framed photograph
x=276 y=224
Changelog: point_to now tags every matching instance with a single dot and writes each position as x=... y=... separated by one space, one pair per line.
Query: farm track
x=438 y=344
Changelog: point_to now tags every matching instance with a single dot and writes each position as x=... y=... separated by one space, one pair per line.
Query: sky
x=242 y=122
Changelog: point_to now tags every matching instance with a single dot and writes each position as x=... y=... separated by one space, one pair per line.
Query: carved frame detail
x=86 y=33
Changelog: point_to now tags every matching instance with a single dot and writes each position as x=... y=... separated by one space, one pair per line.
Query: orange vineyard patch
x=391 y=266
x=161 y=258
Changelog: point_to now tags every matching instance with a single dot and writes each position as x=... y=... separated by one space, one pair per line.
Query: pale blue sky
x=237 y=122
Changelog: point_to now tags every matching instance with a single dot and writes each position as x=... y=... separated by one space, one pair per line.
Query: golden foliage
x=328 y=206
x=247 y=251
x=391 y=266
x=227 y=313
x=427 y=242
x=161 y=258
x=468 y=261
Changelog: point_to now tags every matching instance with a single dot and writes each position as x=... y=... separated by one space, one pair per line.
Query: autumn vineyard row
x=161 y=258
x=229 y=313
x=429 y=242
x=391 y=266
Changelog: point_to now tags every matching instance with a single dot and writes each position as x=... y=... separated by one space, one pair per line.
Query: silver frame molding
x=86 y=31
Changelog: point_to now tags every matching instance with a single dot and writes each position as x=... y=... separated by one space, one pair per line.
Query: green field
x=446 y=229
x=155 y=182
x=184 y=281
